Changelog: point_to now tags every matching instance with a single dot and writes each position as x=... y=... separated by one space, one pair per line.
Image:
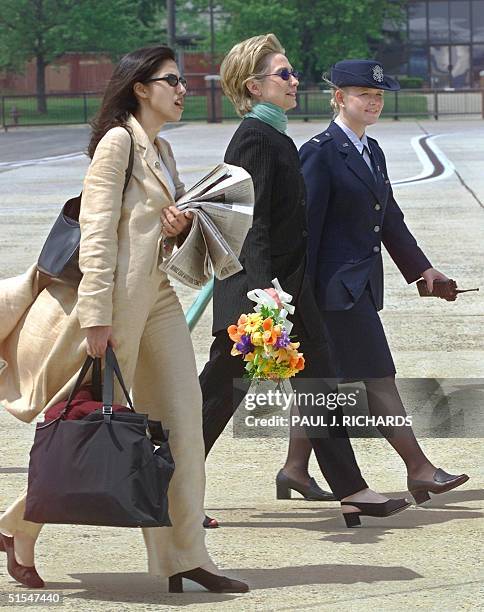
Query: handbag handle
x=112 y=368
x=90 y=361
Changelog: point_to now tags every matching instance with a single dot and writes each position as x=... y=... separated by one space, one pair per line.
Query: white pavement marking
x=428 y=168
x=42 y=160
x=425 y=175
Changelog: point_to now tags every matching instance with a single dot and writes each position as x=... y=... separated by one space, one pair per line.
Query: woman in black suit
x=259 y=80
x=351 y=212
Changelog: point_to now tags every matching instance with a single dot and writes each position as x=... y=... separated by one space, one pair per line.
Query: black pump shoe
x=381 y=510
x=311 y=492
x=212 y=582
x=210 y=523
x=440 y=483
x=21 y=573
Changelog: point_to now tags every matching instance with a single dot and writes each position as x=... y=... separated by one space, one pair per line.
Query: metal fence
x=209 y=104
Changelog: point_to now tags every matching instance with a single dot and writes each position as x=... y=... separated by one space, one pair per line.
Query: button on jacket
x=350 y=213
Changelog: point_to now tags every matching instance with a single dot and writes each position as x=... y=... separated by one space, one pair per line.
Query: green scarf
x=271 y=114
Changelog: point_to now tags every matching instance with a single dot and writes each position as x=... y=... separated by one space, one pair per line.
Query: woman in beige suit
x=124 y=299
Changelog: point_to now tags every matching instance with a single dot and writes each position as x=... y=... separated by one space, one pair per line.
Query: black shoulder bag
x=59 y=257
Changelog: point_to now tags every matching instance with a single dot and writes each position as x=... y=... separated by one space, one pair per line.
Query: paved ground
x=296 y=555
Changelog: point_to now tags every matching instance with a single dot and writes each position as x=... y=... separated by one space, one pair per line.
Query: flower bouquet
x=262 y=338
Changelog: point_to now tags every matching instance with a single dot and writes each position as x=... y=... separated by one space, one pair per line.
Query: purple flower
x=283 y=340
x=245 y=345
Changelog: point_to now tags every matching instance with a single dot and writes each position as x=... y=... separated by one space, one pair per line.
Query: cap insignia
x=378 y=73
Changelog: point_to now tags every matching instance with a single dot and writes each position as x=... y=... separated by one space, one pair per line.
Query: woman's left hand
x=175 y=222
x=432 y=275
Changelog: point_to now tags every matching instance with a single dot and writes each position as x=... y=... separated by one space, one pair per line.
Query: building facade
x=439 y=41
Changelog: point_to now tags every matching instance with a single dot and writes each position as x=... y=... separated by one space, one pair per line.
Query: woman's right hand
x=98 y=338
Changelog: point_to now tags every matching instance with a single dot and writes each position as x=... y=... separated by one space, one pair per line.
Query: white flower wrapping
x=262 y=298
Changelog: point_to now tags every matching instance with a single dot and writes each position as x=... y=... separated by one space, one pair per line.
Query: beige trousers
x=164 y=381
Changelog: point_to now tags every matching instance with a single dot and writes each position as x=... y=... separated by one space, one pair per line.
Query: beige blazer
x=121 y=236
x=42 y=341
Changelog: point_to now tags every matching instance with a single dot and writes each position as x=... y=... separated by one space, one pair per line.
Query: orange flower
x=270 y=336
x=233 y=333
x=242 y=319
x=267 y=324
x=300 y=363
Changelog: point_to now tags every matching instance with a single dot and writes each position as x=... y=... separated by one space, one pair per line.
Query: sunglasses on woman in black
x=285 y=74
x=171 y=79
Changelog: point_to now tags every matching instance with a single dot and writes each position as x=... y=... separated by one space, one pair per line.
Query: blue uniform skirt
x=357 y=341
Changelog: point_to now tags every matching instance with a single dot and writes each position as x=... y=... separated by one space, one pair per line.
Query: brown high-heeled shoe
x=440 y=483
x=27 y=576
x=212 y=582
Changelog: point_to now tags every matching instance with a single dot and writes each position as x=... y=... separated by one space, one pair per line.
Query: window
x=478 y=20
x=417 y=21
x=439 y=66
x=418 y=65
x=460 y=26
x=460 y=65
x=477 y=64
x=439 y=21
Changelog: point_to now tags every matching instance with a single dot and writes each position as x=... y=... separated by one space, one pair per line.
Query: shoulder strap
x=129 y=169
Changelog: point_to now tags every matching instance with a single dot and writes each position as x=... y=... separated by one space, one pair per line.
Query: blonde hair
x=334 y=89
x=246 y=60
x=334 y=103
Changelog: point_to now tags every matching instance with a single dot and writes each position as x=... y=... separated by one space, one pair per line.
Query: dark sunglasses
x=285 y=74
x=171 y=79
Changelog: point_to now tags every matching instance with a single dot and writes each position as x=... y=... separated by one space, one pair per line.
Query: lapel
x=353 y=159
x=149 y=153
x=381 y=179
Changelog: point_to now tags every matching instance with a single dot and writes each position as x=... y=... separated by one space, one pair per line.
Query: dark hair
x=119 y=100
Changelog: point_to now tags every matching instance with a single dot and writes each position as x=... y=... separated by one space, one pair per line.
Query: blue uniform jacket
x=350 y=215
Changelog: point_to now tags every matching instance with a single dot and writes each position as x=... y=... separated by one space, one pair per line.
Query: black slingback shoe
x=391 y=506
x=27 y=576
x=440 y=483
x=212 y=582
x=310 y=492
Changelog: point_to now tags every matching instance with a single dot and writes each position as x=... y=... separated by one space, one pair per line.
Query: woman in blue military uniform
x=351 y=212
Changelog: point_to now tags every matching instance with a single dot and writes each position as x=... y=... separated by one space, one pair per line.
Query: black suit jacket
x=276 y=243
x=350 y=215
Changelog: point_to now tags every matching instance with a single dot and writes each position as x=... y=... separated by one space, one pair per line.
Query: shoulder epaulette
x=320 y=139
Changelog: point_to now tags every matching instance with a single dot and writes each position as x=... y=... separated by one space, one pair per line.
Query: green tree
x=45 y=29
x=315 y=33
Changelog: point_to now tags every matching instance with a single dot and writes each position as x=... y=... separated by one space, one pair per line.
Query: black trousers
x=334 y=454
